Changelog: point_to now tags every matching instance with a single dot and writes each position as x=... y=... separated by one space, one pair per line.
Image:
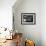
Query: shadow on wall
x=17 y=4
x=17 y=23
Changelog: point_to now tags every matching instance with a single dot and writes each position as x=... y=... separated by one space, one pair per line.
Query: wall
x=32 y=32
x=43 y=22
x=6 y=13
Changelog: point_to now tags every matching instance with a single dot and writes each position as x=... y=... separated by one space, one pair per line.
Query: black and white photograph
x=28 y=18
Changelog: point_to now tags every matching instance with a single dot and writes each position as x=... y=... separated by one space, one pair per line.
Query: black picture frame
x=28 y=18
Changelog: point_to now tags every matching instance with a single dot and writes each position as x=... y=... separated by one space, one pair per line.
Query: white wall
x=30 y=31
x=35 y=32
x=6 y=13
x=43 y=22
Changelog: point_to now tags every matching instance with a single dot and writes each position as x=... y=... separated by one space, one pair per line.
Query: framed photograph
x=28 y=18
